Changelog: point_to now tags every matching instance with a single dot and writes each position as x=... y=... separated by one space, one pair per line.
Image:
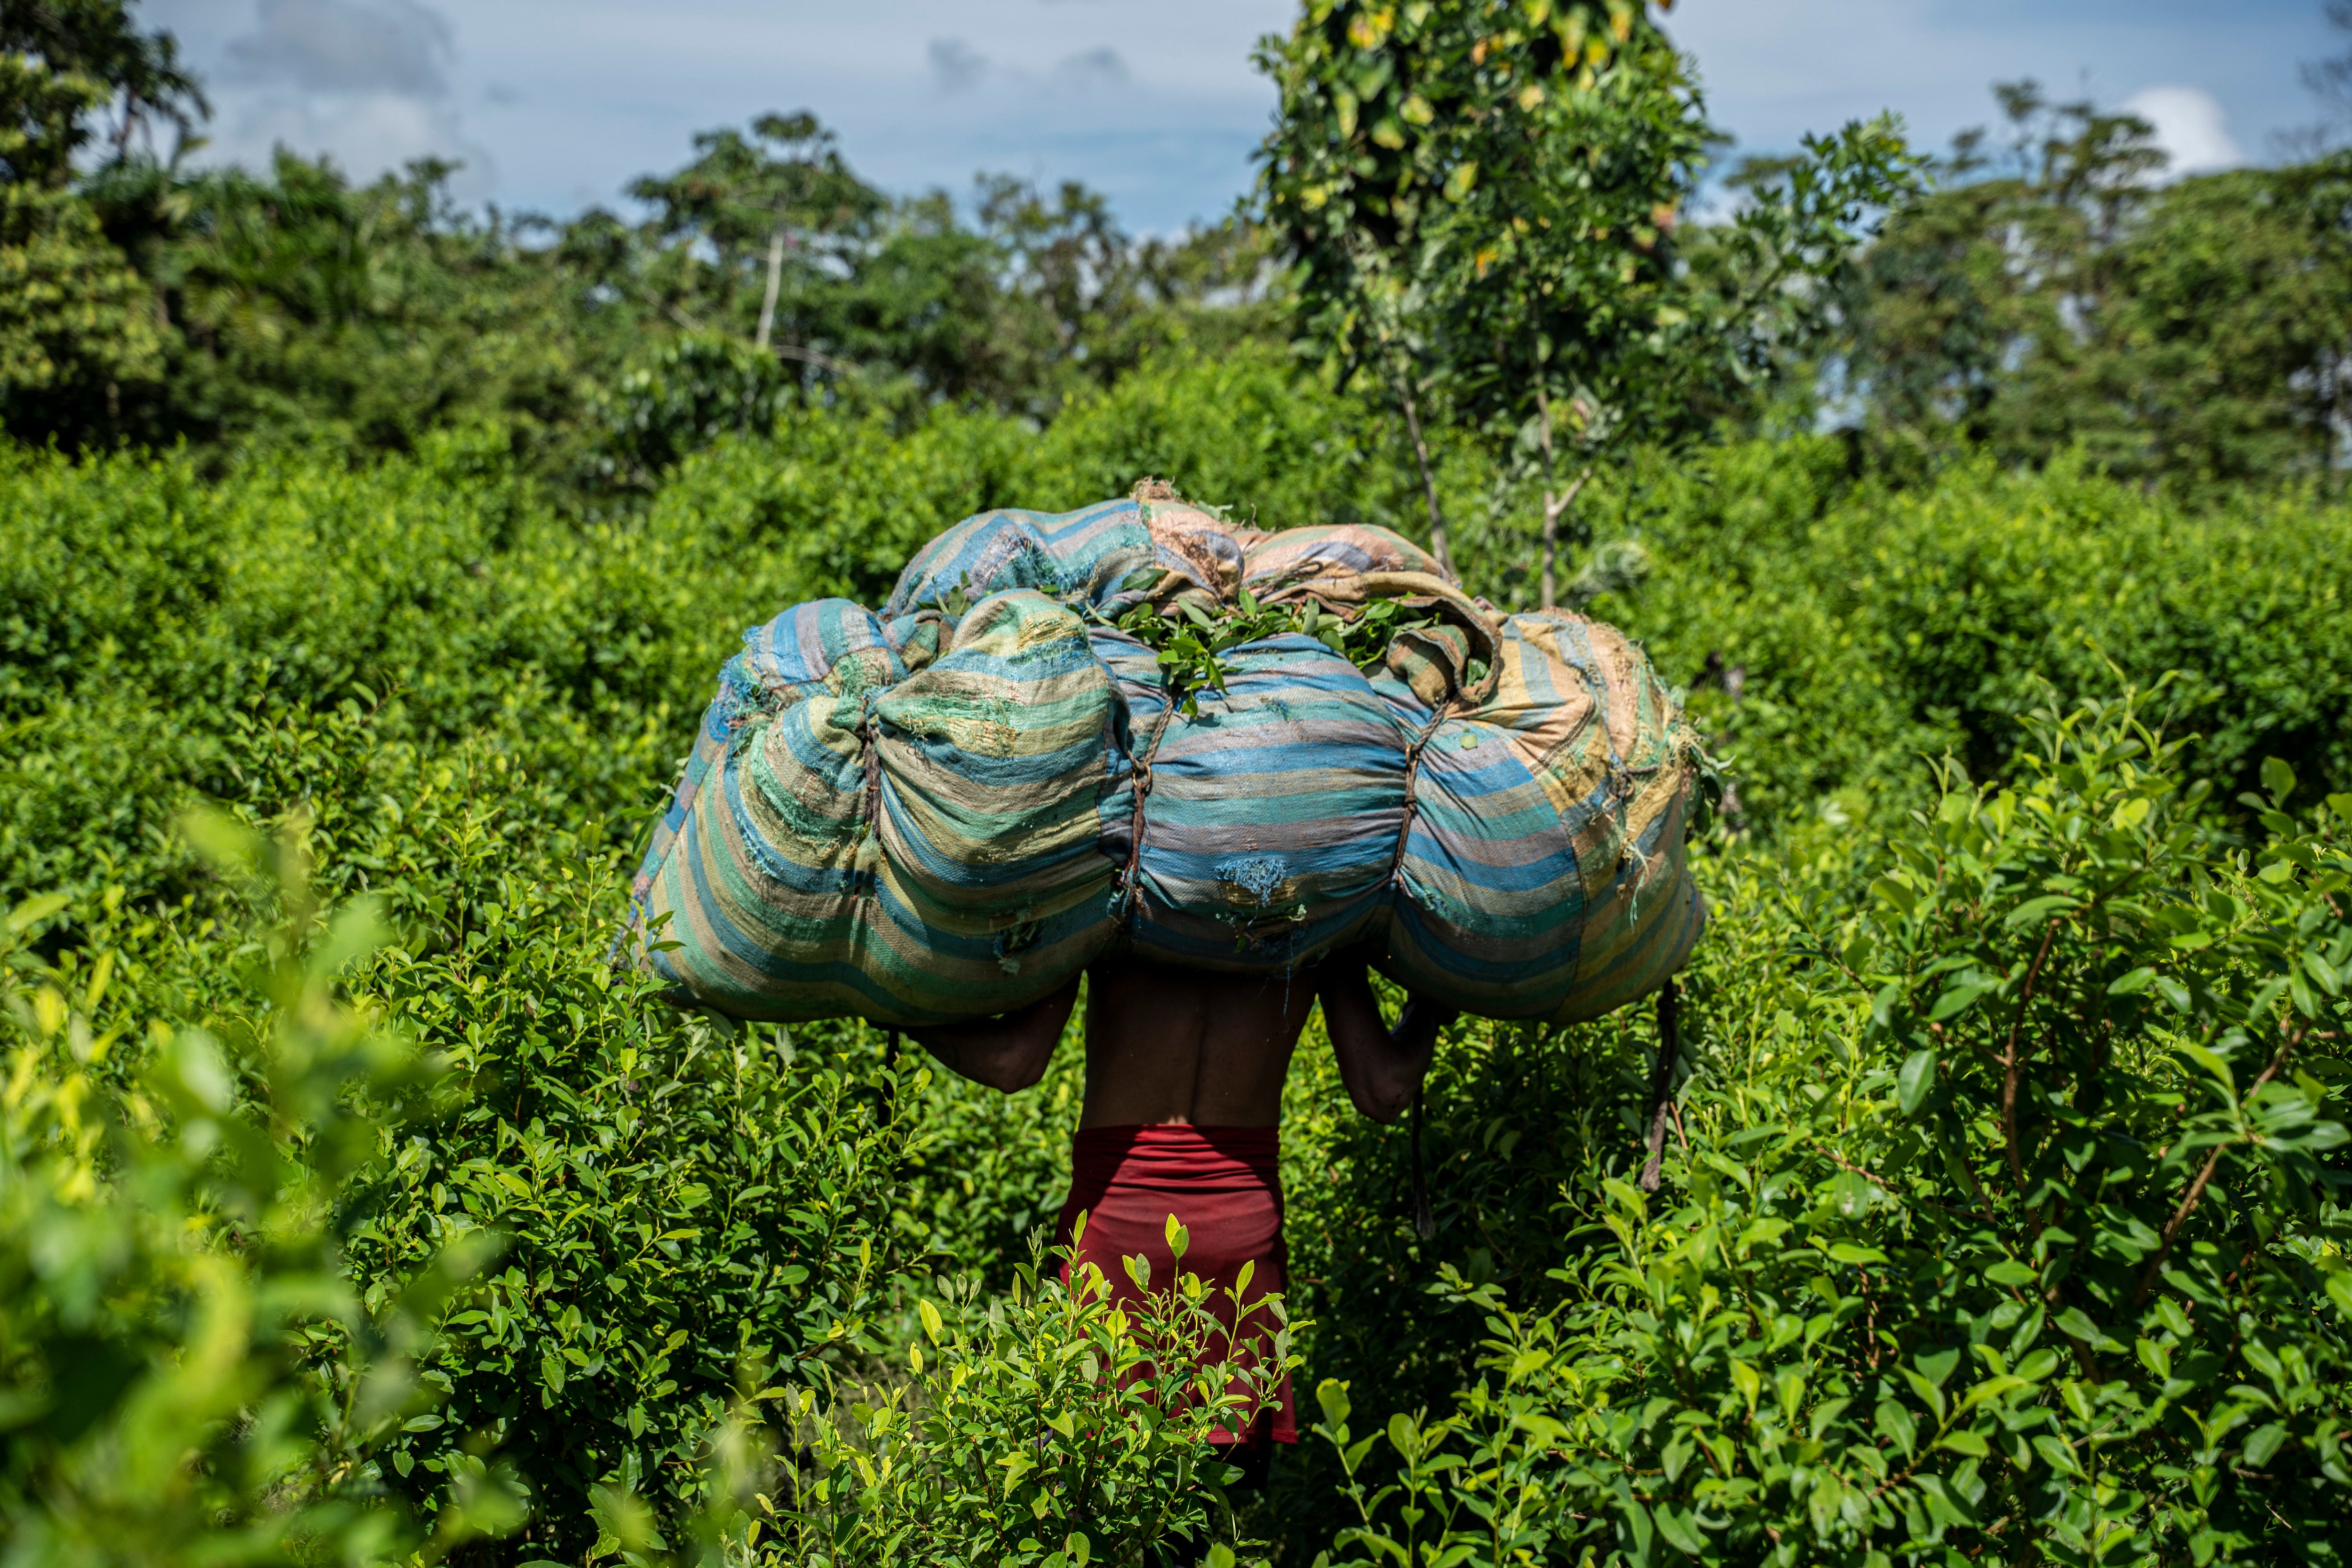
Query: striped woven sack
x=946 y=809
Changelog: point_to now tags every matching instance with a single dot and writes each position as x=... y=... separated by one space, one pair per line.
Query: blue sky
x=555 y=104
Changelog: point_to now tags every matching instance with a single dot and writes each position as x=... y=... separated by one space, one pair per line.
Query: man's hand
x=1382 y=1068
x=1008 y=1053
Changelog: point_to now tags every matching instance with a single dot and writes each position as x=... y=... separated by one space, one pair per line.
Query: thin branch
x=1550 y=513
x=1437 y=541
x=1568 y=497
x=2011 y=1061
x=1662 y=1081
x=2197 y=1188
x=811 y=356
x=776 y=284
x=1553 y=505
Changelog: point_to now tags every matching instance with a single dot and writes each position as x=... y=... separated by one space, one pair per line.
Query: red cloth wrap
x=1223 y=1184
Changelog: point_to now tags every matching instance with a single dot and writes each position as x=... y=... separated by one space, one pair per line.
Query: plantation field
x=2004 y=1202
x=366 y=561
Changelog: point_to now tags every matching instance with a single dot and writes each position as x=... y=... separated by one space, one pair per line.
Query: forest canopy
x=2041 y=286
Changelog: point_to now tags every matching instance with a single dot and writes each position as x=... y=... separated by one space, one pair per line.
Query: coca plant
x=2010 y=1225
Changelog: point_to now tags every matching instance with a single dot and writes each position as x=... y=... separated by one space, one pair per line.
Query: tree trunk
x=1550 y=550
x=1551 y=509
x=1437 y=545
x=1555 y=503
x=1555 y=508
x=2331 y=429
x=775 y=282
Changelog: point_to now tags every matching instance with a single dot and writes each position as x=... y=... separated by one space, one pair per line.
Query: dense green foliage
x=71 y=315
x=2049 y=294
x=185 y=1357
x=354 y=1206
x=2049 y=1259
x=1483 y=201
x=1836 y=632
x=1120 y=1405
x=151 y=302
x=475 y=702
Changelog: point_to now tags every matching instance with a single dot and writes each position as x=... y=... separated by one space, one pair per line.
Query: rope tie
x=870 y=759
x=1142 y=789
x=1411 y=772
x=1661 y=1080
x=1425 y=1224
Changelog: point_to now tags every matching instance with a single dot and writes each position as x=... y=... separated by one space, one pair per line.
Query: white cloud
x=1093 y=69
x=361 y=132
x=2191 y=126
x=1776 y=68
x=956 y=65
x=367 y=83
x=335 y=46
x=365 y=135
x=598 y=91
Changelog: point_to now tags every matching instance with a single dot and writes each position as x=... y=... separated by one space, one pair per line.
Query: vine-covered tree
x=1483 y=196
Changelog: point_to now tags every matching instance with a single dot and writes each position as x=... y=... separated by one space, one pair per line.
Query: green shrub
x=478 y=704
x=682 y=396
x=683 y=1207
x=1873 y=628
x=1047 y=1427
x=1246 y=431
x=990 y=1169
x=186 y=1370
x=675 y=1209
x=2010 y=1221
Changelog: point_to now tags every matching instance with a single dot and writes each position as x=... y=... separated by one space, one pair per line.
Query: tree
x=2049 y=294
x=1375 y=133
x=781 y=192
x=63 y=60
x=1483 y=199
x=2234 y=316
x=143 y=299
x=74 y=317
x=2020 y=260
x=1552 y=264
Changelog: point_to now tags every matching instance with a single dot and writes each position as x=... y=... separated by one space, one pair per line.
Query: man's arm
x=1381 y=1066
x=1008 y=1053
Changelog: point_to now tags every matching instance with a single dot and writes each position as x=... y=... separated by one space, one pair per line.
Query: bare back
x=1169 y=1045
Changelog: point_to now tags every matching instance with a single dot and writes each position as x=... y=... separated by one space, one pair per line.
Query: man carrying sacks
x=1221 y=774
x=1182 y=1114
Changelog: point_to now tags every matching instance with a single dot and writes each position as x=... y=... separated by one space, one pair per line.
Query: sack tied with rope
x=945 y=808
